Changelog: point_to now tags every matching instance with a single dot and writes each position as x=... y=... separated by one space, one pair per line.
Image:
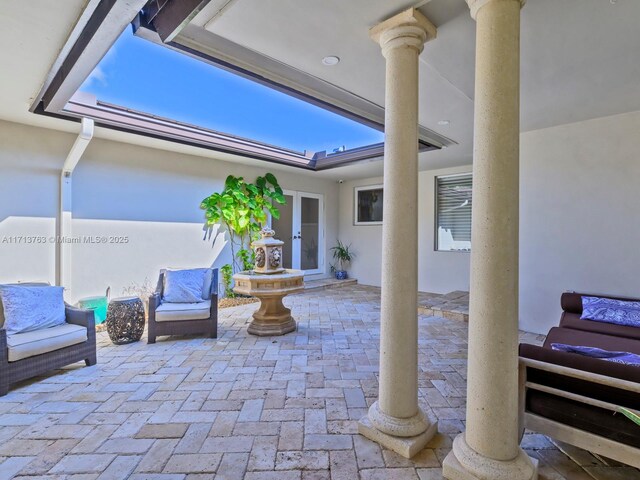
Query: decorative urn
x=268 y=253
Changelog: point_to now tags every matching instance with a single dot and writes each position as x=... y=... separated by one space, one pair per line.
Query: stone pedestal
x=272 y=318
x=489 y=448
x=395 y=420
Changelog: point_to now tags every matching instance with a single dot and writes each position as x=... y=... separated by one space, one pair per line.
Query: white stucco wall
x=439 y=272
x=580 y=214
x=150 y=196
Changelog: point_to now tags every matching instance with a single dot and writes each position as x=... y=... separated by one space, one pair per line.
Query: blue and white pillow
x=32 y=308
x=184 y=286
x=608 y=310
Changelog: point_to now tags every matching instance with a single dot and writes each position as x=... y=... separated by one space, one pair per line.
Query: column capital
x=475 y=5
x=409 y=28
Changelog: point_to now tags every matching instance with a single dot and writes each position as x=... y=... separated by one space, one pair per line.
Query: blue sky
x=143 y=76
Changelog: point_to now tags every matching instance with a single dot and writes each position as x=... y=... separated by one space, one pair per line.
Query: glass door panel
x=309 y=233
x=284 y=230
x=300 y=227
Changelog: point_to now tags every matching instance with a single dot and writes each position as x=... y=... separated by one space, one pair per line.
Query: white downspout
x=65 y=210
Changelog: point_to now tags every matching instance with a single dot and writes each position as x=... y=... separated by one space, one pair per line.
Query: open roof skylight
x=143 y=76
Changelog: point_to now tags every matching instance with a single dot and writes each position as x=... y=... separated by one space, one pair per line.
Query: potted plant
x=343 y=255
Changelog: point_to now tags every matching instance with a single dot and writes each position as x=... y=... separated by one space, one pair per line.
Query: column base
x=405 y=446
x=464 y=463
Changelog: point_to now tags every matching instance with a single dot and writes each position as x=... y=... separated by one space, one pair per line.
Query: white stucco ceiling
x=580 y=58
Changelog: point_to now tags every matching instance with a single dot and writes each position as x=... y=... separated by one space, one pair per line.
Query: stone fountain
x=269 y=282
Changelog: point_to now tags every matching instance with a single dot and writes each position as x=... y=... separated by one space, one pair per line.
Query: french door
x=301 y=228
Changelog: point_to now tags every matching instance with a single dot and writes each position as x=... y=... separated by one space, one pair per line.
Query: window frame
x=356 y=191
x=436 y=212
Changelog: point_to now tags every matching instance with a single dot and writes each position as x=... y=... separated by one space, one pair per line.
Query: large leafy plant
x=243 y=208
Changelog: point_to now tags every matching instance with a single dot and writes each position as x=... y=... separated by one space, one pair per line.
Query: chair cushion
x=29 y=308
x=29 y=344
x=184 y=286
x=170 y=312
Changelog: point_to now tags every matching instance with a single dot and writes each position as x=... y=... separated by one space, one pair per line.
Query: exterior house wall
x=150 y=197
x=439 y=272
x=579 y=214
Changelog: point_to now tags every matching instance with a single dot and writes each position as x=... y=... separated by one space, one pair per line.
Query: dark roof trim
x=107 y=21
x=169 y=17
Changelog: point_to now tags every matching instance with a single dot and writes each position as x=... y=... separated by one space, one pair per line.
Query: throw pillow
x=608 y=310
x=184 y=286
x=32 y=308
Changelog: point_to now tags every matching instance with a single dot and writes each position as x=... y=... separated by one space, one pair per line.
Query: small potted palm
x=342 y=254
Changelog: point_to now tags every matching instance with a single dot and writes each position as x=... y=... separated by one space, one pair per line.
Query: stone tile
x=233 y=466
x=227 y=444
x=169 y=430
x=327 y=442
x=84 y=463
x=11 y=466
x=126 y=446
x=120 y=468
x=302 y=460
x=157 y=456
x=193 y=463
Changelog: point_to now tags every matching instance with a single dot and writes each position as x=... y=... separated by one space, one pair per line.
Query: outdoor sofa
x=577 y=399
x=27 y=355
x=197 y=318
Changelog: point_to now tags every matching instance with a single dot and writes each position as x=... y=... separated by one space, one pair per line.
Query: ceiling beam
x=107 y=22
x=174 y=15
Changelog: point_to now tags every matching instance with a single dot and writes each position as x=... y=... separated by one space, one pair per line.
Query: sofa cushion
x=573 y=320
x=170 y=312
x=591 y=339
x=28 y=344
x=26 y=284
x=184 y=286
x=29 y=308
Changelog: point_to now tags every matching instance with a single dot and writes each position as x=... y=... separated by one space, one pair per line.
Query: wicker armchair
x=181 y=318
x=16 y=370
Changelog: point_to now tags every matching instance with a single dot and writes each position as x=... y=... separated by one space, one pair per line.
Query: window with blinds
x=453 y=213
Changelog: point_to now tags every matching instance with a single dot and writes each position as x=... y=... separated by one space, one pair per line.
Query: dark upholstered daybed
x=577 y=399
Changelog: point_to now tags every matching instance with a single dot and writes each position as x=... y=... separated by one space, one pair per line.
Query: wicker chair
x=181 y=318
x=16 y=369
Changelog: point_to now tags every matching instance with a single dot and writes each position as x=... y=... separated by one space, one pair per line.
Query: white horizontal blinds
x=453 y=203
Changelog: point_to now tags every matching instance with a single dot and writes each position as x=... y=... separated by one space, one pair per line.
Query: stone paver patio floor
x=246 y=407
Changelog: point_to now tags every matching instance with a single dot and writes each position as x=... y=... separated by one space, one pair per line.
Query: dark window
x=368 y=205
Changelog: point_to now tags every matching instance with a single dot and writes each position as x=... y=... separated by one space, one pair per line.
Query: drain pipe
x=65 y=208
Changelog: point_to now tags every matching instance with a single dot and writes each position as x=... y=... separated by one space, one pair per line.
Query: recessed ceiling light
x=331 y=60
x=443 y=122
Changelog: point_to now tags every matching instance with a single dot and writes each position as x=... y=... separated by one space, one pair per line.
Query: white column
x=395 y=420
x=489 y=449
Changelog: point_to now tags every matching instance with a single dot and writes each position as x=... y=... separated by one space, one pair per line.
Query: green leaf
x=271 y=179
x=635 y=418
